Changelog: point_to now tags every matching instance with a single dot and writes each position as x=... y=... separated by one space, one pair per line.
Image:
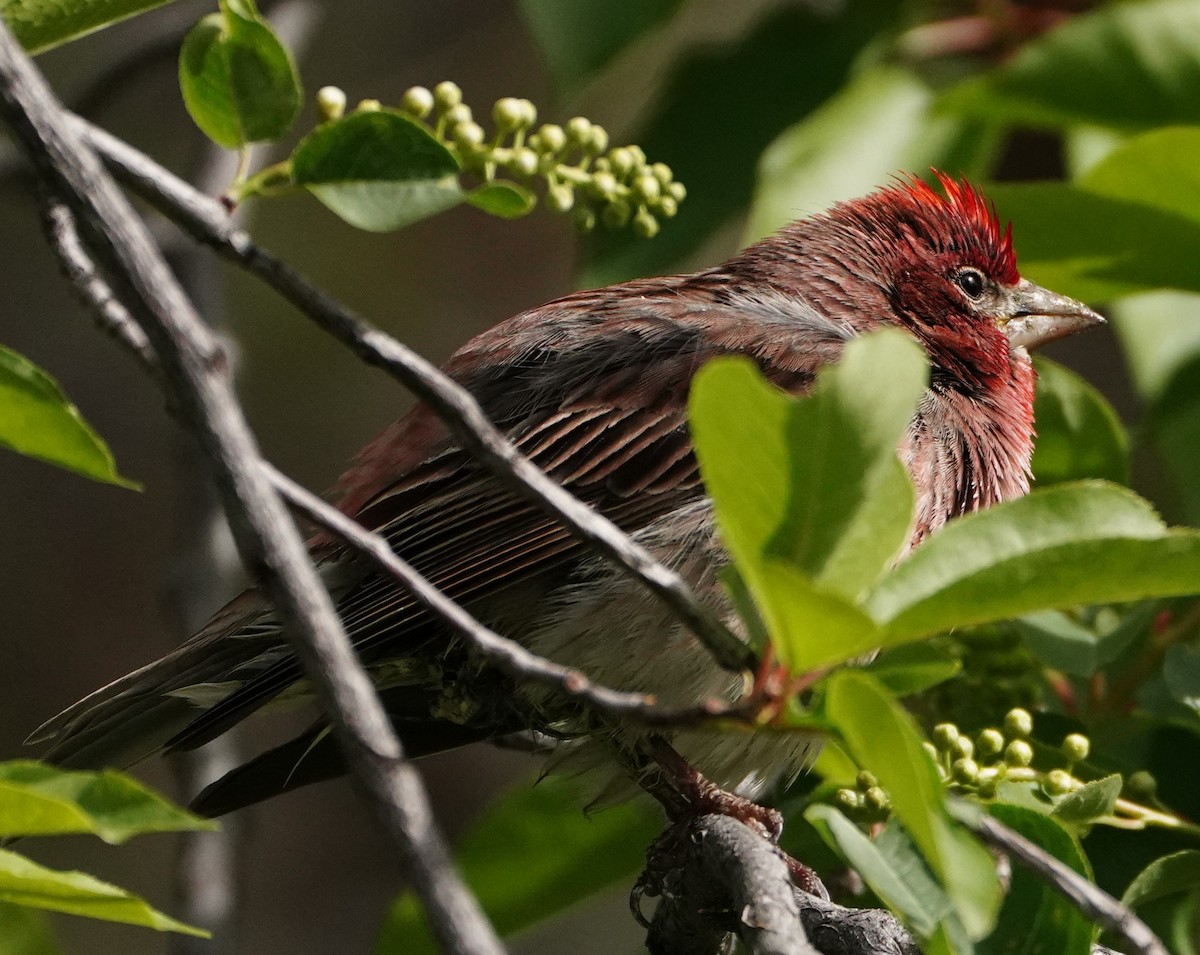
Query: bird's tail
x=131 y=718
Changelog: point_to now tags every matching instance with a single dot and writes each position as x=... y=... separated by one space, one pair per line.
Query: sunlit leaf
x=378 y=170
x=37 y=419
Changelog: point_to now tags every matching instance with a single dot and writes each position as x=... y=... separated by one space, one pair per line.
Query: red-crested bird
x=593 y=389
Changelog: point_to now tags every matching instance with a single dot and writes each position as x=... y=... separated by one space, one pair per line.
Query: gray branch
x=193 y=363
x=208 y=222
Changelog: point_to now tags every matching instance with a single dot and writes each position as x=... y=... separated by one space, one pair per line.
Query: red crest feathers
x=973 y=212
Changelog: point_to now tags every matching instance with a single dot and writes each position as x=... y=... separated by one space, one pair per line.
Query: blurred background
x=88 y=570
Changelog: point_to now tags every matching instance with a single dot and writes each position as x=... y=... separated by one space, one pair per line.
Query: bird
x=593 y=389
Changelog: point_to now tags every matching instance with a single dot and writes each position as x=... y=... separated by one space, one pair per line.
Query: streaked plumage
x=593 y=388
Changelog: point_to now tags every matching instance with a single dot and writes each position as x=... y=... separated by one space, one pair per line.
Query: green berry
x=677 y=191
x=667 y=207
x=622 y=161
x=865 y=780
x=1018 y=723
x=418 y=101
x=987 y=790
x=615 y=215
x=1076 y=747
x=331 y=103
x=1018 y=754
x=584 y=218
x=459 y=113
x=662 y=172
x=990 y=743
x=965 y=770
x=1141 y=785
x=560 y=198
x=551 y=138
x=647 y=189
x=508 y=114
x=598 y=141
x=639 y=157
x=876 y=799
x=963 y=747
x=579 y=130
x=931 y=750
x=524 y=161
x=446 y=96
x=529 y=112
x=468 y=135
x=368 y=106
x=945 y=735
x=848 y=799
x=644 y=224
x=1058 y=782
x=604 y=185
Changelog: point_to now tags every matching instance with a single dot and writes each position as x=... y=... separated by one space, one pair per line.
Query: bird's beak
x=1039 y=316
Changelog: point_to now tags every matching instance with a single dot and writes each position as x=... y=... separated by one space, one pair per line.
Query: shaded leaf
x=378 y=170
x=712 y=139
x=1035 y=919
x=913 y=667
x=37 y=420
x=1090 y=801
x=1070 y=544
x=1168 y=875
x=879 y=123
x=42 y=24
x=508 y=200
x=1181 y=670
x=534 y=853
x=39 y=799
x=25 y=932
x=579 y=39
x=24 y=882
x=1125 y=65
x=882 y=738
x=1079 y=434
x=892 y=879
x=239 y=82
x=1061 y=642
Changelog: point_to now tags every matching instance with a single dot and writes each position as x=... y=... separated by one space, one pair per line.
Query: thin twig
x=506 y=655
x=206 y=220
x=193 y=362
x=1096 y=904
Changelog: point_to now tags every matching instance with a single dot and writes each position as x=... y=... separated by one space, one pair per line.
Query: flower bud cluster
x=578 y=171
x=867 y=803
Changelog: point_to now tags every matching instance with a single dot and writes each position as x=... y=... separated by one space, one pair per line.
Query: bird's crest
x=972 y=210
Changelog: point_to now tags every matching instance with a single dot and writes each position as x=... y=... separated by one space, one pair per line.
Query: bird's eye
x=970 y=281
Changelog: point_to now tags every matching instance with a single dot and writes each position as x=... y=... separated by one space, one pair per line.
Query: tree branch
x=207 y=222
x=193 y=363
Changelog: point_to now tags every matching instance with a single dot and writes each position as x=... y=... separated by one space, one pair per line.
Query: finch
x=593 y=389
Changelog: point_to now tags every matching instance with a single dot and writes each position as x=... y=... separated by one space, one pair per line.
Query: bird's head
x=938 y=264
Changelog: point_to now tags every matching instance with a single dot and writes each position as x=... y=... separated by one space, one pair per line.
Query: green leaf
x=42 y=24
x=1125 y=65
x=1061 y=642
x=507 y=200
x=378 y=170
x=1160 y=336
x=532 y=855
x=810 y=496
x=1071 y=544
x=238 y=80
x=24 y=882
x=913 y=667
x=1035 y=919
x=579 y=39
x=38 y=799
x=1079 y=434
x=890 y=877
x=1096 y=247
x=1156 y=169
x=880 y=122
x=1173 y=424
x=1090 y=801
x=24 y=931
x=1165 y=876
x=881 y=737
x=37 y=420
x=719 y=111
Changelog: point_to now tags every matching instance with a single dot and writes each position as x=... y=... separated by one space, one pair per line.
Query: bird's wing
x=596 y=401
